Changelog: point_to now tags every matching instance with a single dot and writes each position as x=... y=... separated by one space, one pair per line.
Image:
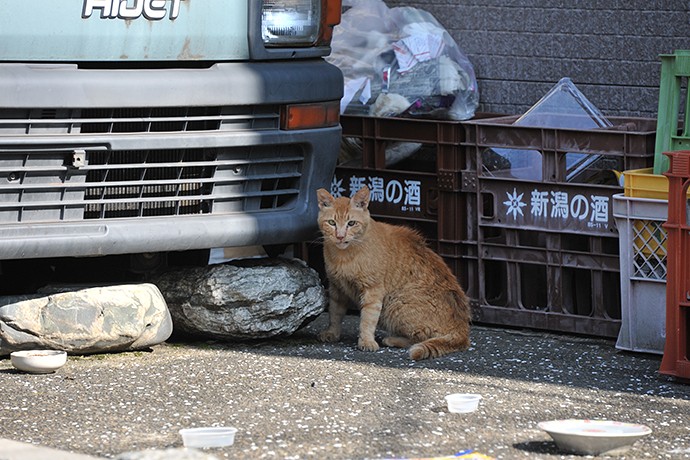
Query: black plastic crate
x=563 y=167
x=405 y=191
x=539 y=245
x=552 y=284
x=630 y=142
x=553 y=274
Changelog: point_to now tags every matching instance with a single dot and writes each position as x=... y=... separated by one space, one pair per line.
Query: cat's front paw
x=367 y=345
x=329 y=336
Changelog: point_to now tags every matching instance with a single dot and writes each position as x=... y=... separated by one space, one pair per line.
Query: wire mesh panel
x=649 y=246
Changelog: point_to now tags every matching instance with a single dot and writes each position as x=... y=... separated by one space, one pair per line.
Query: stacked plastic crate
x=540 y=245
x=403 y=161
x=534 y=245
x=676 y=360
x=641 y=213
x=643 y=262
x=413 y=167
x=397 y=158
x=672 y=158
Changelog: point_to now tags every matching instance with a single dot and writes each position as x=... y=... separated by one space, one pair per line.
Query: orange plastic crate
x=676 y=360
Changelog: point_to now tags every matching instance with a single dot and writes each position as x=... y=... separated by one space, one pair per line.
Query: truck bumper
x=98 y=162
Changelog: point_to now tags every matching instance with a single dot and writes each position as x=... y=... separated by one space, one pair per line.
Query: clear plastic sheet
x=563 y=106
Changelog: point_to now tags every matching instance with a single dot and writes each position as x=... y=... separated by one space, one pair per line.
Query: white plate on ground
x=594 y=437
x=38 y=361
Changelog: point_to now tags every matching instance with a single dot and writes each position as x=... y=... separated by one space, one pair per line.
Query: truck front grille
x=137 y=120
x=51 y=185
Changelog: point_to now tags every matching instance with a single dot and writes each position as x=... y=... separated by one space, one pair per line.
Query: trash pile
x=401 y=62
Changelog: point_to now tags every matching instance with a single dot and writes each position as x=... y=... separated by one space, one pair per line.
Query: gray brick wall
x=609 y=48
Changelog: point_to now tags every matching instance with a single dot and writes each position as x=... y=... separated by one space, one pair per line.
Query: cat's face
x=343 y=221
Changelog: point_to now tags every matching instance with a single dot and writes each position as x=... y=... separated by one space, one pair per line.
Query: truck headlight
x=299 y=22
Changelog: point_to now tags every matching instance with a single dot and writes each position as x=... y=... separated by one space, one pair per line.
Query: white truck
x=144 y=128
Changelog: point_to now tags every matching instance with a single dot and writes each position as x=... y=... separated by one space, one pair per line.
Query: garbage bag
x=401 y=61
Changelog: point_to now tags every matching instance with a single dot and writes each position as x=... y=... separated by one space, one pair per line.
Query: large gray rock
x=92 y=320
x=252 y=299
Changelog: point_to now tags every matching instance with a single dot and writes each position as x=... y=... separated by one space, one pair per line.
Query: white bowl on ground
x=594 y=437
x=38 y=361
x=204 y=437
x=462 y=403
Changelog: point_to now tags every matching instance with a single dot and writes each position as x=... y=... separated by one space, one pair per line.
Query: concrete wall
x=609 y=48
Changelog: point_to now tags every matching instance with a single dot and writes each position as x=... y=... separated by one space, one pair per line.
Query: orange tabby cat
x=397 y=281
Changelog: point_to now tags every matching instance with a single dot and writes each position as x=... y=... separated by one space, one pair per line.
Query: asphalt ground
x=296 y=398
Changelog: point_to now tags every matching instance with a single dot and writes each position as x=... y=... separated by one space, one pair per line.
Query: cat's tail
x=458 y=336
x=439 y=346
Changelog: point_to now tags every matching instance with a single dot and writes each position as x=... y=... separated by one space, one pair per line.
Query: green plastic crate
x=675 y=70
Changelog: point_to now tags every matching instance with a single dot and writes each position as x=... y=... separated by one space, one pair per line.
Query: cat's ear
x=325 y=199
x=361 y=198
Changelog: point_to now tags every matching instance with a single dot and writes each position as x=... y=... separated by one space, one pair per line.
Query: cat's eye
x=331 y=222
x=351 y=223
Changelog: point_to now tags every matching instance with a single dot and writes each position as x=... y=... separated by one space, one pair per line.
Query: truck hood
x=115 y=30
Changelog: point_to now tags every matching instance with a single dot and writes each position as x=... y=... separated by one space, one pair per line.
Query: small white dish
x=38 y=361
x=462 y=403
x=205 y=437
x=594 y=437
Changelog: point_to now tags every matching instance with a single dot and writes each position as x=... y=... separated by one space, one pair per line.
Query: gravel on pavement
x=296 y=398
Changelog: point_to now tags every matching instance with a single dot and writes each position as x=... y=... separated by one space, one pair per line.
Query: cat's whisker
x=318 y=240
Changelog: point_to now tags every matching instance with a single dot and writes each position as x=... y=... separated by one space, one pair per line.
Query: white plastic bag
x=401 y=61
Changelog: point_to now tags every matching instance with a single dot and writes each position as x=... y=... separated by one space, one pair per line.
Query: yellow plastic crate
x=643 y=183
